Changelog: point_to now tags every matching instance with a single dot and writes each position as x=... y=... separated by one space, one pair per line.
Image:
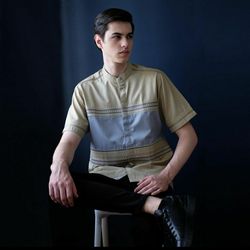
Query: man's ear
x=98 y=41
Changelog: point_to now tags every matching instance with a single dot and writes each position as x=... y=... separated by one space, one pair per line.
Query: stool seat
x=101 y=237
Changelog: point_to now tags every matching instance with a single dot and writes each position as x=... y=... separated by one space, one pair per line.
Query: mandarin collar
x=122 y=77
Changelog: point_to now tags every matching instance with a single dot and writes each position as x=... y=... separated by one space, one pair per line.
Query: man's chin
x=122 y=61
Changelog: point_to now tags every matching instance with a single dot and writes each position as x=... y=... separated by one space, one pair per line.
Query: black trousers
x=100 y=192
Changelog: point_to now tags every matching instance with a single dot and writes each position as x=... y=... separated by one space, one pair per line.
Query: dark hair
x=113 y=14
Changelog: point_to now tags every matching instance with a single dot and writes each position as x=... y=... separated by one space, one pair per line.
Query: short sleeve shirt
x=124 y=116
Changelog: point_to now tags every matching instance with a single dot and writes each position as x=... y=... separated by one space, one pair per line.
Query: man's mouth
x=124 y=52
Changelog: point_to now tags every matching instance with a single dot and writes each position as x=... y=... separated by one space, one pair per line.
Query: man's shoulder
x=90 y=79
x=143 y=69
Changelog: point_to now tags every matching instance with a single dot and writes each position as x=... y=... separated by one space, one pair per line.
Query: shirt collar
x=122 y=77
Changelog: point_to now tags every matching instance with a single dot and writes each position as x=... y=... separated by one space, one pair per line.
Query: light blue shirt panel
x=117 y=132
x=106 y=132
x=147 y=126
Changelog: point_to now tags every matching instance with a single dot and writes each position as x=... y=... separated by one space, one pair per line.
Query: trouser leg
x=100 y=192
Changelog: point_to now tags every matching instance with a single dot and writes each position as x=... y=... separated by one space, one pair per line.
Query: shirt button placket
x=123 y=99
x=121 y=85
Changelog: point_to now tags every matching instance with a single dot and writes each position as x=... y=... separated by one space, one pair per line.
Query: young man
x=122 y=106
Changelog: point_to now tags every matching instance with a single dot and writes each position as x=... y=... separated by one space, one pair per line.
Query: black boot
x=175 y=215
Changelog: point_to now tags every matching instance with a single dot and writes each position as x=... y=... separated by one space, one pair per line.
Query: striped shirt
x=124 y=116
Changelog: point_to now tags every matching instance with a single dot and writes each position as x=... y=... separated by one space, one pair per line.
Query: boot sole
x=189 y=221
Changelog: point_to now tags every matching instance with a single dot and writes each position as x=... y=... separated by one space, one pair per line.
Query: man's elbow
x=194 y=139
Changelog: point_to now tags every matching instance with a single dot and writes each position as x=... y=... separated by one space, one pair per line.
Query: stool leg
x=97 y=238
x=105 y=234
x=101 y=237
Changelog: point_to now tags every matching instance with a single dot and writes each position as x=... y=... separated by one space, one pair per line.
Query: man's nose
x=124 y=42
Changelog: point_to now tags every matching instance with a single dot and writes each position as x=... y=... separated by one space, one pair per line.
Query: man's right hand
x=62 y=188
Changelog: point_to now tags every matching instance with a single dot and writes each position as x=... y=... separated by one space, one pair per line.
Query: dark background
x=46 y=48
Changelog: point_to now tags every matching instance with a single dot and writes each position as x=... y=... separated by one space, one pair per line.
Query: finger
x=157 y=191
x=75 y=193
x=63 y=198
x=56 y=194
x=145 y=179
x=69 y=197
x=142 y=185
x=149 y=190
x=146 y=190
x=139 y=188
x=51 y=193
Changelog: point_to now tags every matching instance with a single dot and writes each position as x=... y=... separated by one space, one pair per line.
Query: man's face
x=117 y=43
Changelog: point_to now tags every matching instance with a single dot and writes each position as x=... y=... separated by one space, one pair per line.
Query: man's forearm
x=63 y=156
x=64 y=152
x=186 y=143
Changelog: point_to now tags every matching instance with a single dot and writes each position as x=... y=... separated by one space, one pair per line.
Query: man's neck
x=115 y=69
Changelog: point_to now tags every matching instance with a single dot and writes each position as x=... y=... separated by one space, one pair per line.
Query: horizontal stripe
x=146 y=153
x=129 y=109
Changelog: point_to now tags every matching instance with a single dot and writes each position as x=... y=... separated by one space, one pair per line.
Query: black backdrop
x=47 y=47
x=31 y=114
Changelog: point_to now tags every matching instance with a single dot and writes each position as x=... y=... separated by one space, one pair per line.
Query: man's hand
x=62 y=188
x=152 y=184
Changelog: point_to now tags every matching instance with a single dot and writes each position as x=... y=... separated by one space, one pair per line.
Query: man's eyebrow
x=120 y=34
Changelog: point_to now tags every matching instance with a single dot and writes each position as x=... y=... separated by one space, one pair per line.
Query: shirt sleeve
x=175 y=109
x=76 y=119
